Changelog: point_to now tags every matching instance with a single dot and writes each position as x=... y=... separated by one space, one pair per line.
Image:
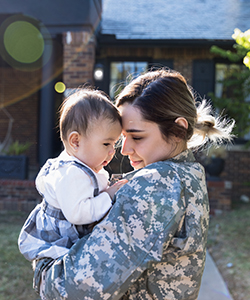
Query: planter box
x=13 y=166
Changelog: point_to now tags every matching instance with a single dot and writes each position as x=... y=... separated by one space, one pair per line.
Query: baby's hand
x=111 y=190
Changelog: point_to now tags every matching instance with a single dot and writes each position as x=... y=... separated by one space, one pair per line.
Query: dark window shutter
x=203 y=77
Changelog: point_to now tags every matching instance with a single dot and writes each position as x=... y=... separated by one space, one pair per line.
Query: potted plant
x=215 y=161
x=14 y=162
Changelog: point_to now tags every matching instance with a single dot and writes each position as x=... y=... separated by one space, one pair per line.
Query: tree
x=243 y=44
x=235 y=99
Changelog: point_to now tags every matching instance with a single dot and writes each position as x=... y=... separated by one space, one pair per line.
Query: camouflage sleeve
x=143 y=219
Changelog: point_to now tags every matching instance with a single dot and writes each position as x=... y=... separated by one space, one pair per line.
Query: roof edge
x=111 y=40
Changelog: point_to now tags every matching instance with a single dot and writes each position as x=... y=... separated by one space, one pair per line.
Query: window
x=232 y=95
x=121 y=73
x=223 y=72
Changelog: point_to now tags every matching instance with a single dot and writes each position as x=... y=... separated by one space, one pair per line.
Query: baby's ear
x=182 y=122
x=73 y=140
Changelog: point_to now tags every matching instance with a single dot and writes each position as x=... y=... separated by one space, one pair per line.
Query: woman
x=152 y=244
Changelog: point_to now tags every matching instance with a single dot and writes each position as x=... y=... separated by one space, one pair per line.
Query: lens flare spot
x=60 y=87
x=23 y=42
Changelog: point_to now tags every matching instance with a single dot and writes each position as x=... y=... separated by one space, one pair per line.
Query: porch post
x=47 y=109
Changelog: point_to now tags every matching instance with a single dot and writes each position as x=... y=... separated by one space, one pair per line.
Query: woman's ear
x=73 y=140
x=182 y=122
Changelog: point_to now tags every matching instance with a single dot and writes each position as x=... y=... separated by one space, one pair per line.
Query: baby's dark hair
x=83 y=107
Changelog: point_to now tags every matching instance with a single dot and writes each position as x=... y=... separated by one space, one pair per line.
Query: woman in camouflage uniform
x=152 y=244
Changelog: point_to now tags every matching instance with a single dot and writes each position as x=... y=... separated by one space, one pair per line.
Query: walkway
x=213 y=286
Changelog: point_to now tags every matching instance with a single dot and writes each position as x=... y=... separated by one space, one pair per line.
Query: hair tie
x=208 y=124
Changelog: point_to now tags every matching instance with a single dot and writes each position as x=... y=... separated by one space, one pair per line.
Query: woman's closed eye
x=137 y=138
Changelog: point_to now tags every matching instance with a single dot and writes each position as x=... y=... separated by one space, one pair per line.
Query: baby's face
x=97 y=148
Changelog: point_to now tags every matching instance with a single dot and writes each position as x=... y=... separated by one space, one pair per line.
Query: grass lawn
x=228 y=244
x=15 y=272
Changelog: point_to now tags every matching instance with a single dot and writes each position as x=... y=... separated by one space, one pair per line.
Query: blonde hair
x=210 y=128
x=162 y=96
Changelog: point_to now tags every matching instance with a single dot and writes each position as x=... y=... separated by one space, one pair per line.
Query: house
x=178 y=34
x=135 y=35
x=42 y=43
x=103 y=43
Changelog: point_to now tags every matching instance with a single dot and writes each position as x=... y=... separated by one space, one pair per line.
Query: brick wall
x=237 y=170
x=233 y=182
x=20 y=97
x=21 y=195
x=79 y=58
x=220 y=197
x=18 y=195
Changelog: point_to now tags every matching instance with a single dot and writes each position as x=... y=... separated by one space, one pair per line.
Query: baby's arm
x=111 y=190
x=74 y=193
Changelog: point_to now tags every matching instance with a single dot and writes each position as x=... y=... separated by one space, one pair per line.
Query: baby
x=74 y=186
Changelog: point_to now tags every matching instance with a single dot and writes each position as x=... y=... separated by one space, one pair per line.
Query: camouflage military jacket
x=150 y=246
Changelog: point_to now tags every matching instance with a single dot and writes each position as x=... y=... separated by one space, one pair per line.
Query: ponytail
x=209 y=128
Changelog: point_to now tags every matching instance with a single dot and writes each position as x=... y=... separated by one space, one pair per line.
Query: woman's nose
x=126 y=147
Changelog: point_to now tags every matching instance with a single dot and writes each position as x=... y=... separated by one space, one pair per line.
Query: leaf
x=17 y=148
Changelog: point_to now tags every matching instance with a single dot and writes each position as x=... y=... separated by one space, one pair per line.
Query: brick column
x=78 y=58
x=219 y=193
